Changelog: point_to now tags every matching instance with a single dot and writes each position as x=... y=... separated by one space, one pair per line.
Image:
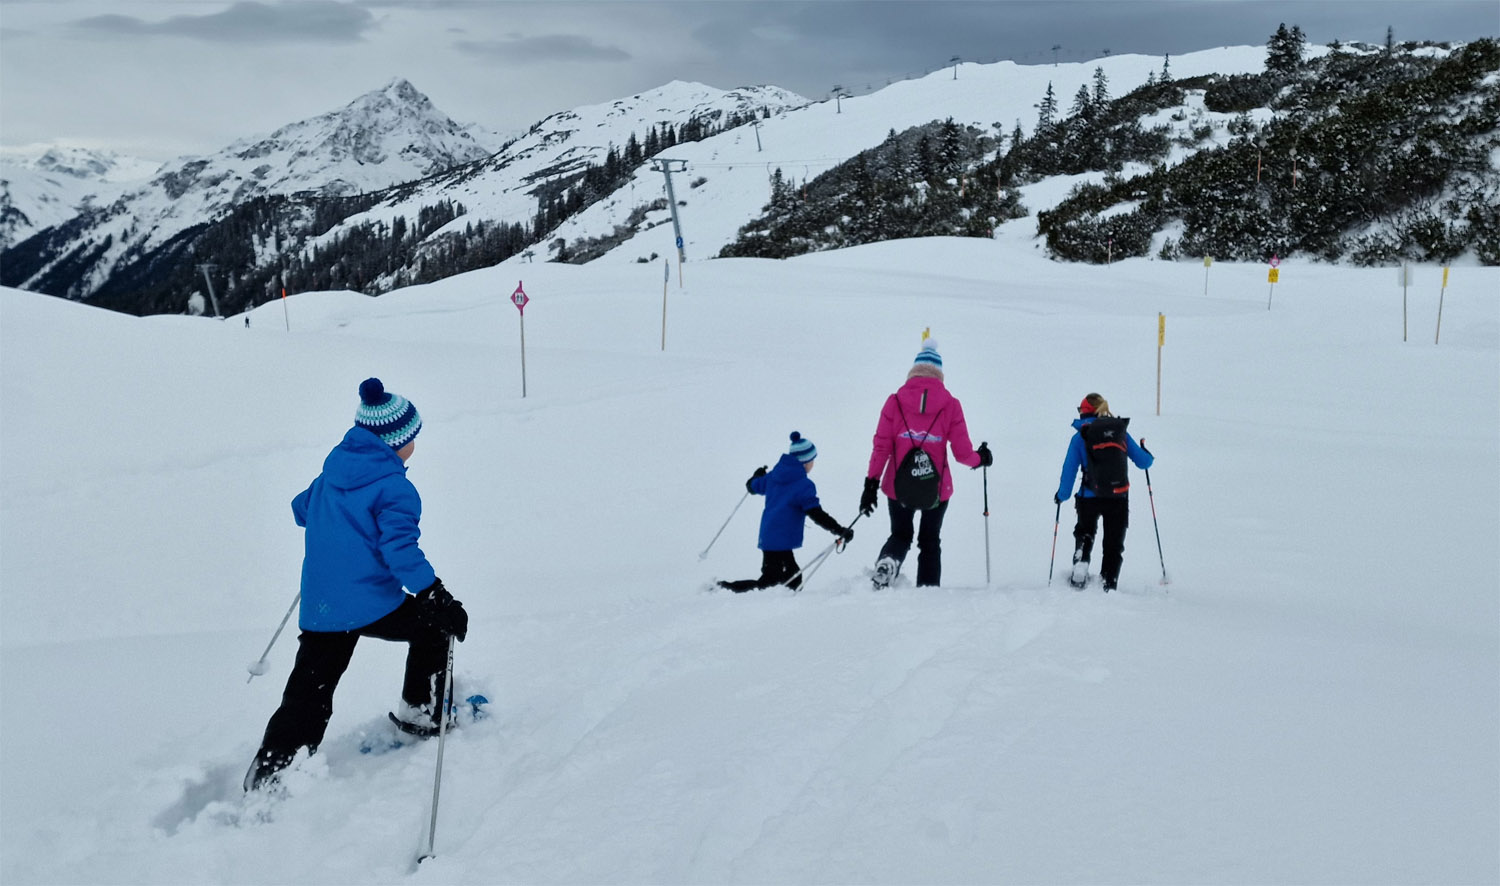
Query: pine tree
x=1083 y=105
x=1047 y=110
x=1101 y=88
x=1284 y=50
x=1166 y=69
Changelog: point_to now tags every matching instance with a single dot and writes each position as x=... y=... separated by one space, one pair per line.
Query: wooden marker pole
x=1441 y=293
x=519 y=299
x=1405 y=281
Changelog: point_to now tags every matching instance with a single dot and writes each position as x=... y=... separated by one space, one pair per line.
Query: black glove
x=1056 y=500
x=823 y=519
x=986 y=458
x=846 y=534
x=759 y=472
x=1142 y=443
x=867 y=499
x=438 y=609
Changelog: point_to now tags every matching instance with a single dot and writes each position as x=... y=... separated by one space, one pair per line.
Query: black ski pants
x=929 y=544
x=1116 y=515
x=775 y=568
x=323 y=656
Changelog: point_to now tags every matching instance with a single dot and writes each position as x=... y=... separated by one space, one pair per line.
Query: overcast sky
x=162 y=78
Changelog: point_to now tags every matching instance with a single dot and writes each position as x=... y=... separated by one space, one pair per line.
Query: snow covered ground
x=1314 y=698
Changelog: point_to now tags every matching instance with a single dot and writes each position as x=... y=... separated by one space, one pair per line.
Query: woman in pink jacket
x=920 y=415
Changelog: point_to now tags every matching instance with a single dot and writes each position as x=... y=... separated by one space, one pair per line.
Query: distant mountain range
x=312 y=182
x=42 y=191
x=388 y=191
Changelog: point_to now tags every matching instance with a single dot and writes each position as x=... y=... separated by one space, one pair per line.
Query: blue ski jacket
x=361 y=516
x=790 y=494
x=1075 y=460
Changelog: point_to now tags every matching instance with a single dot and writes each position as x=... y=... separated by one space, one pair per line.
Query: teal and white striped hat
x=803 y=449
x=391 y=417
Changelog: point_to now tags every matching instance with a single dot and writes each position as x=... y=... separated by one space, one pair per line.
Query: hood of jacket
x=787 y=471
x=360 y=459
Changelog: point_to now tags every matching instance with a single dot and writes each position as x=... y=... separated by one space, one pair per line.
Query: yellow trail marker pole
x=1161 y=339
x=1441 y=293
x=1273 y=276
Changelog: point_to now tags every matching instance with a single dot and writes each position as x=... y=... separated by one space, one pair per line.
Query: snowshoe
x=416 y=721
x=885 y=572
x=265 y=770
x=1079 y=579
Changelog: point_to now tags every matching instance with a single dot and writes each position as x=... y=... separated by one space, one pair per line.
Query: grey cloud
x=312 y=21
x=811 y=46
x=547 y=48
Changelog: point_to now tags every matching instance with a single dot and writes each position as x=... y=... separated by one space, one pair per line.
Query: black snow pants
x=1116 y=515
x=322 y=657
x=775 y=568
x=929 y=544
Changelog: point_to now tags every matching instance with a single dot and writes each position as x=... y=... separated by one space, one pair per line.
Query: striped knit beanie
x=802 y=448
x=929 y=354
x=391 y=417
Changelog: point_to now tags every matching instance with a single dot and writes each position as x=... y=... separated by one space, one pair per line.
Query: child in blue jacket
x=790 y=498
x=1100 y=448
x=361 y=557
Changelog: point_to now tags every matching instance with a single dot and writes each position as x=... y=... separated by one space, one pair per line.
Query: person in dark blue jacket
x=791 y=497
x=361 y=516
x=1100 y=449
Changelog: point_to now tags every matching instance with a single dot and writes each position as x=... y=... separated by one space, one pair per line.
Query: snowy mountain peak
x=396 y=129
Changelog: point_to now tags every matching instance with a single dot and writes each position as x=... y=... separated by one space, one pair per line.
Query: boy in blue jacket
x=790 y=498
x=1100 y=449
x=361 y=517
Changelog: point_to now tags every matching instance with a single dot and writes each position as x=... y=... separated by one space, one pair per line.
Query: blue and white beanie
x=929 y=354
x=391 y=417
x=803 y=449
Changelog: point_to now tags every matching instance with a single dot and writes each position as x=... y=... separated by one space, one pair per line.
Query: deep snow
x=1312 y=699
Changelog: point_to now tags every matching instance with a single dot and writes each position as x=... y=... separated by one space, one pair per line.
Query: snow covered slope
x=814 y=139
x=1312 y=699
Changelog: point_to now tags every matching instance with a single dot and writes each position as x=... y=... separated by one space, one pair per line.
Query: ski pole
x=437 y=781
x=986 y=525
x=1154 y=525
x=258 y=667
x=704 y=555
x=812 y=567
x=1056 y=519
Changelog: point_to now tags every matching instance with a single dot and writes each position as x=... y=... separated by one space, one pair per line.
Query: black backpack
x=1105 y=469
x=919 y=485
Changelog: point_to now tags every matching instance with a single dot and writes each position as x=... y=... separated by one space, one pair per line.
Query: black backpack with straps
x=1106 y=470
x=919 y=484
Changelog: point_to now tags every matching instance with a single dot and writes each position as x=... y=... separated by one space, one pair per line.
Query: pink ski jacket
x=928 y=407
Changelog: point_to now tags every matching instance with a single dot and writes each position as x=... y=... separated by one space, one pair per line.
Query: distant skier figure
x=1100 y=448
x=361 y=515
x=909 y=463
x=791 y=497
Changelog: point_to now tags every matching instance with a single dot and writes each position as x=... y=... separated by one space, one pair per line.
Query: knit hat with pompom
x=391 y=417
x=802 y=448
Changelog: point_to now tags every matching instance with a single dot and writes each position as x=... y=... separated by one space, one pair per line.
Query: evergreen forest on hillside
x=1367 y=154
